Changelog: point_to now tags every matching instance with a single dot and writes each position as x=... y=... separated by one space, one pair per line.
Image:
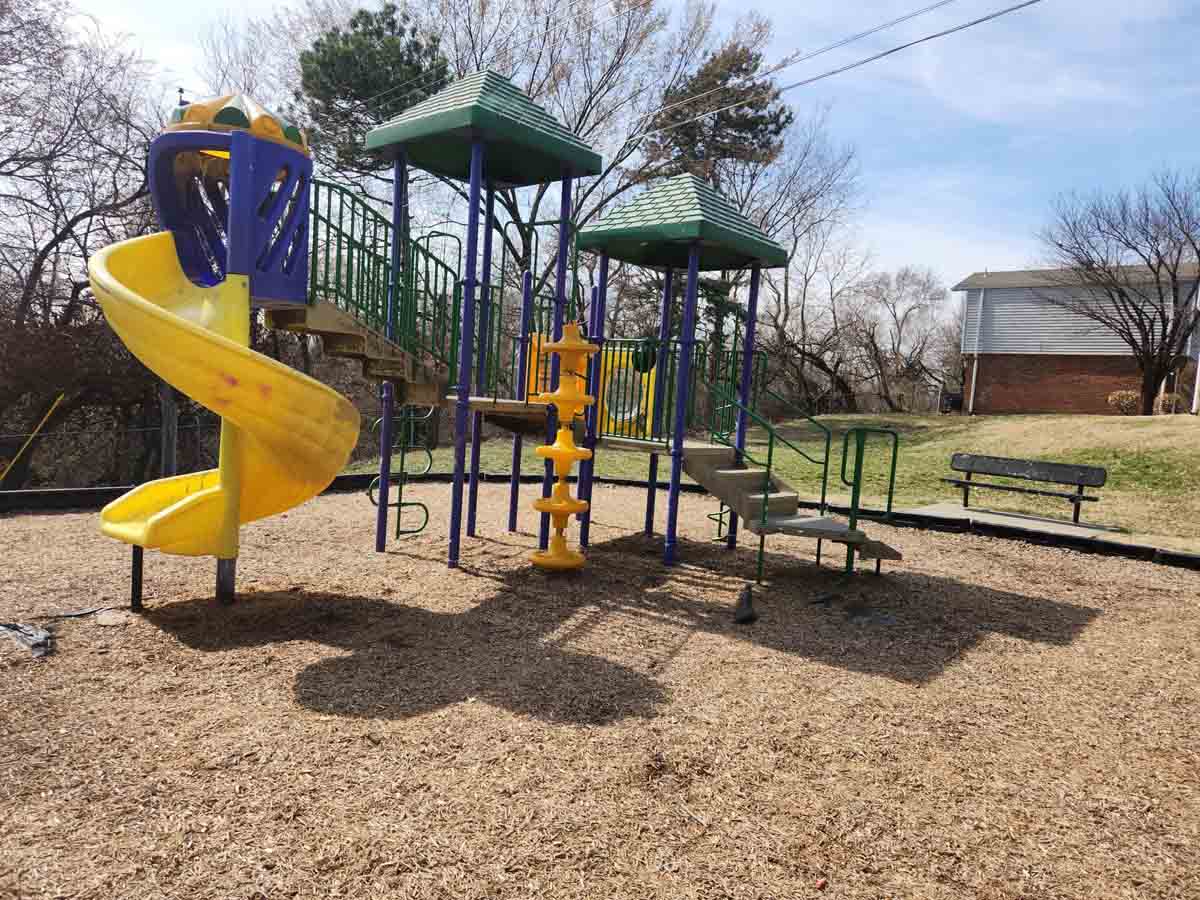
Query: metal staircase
x=749 y=484
x=412 y=342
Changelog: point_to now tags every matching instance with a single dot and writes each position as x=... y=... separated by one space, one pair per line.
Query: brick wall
x=1033 y=383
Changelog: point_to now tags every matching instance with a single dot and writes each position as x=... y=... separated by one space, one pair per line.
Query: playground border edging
x=60 y=499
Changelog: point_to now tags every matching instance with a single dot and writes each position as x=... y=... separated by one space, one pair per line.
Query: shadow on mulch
x=512 y=650
x=404 y=661
x=902 y=625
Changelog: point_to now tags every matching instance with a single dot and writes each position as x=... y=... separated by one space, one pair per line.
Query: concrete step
x=779 y=504
x=878 y=550
x=808 y=526
x=746 y=479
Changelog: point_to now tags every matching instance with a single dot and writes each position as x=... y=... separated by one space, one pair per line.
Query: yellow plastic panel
x=295 y=434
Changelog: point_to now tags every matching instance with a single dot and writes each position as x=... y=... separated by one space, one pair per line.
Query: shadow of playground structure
x=513 y=650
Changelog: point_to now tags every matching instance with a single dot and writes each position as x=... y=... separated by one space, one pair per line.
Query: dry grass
x=988 y=720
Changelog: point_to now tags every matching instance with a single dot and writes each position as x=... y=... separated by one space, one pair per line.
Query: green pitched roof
x=657 y=228
x=525 y=144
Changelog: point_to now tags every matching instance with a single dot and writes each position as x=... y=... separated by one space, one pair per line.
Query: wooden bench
x=1079 y=477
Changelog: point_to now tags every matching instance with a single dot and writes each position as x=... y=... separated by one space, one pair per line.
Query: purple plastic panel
x=268 y=220
x=253 y=222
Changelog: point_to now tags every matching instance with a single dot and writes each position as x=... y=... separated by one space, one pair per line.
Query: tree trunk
x=1151 y=379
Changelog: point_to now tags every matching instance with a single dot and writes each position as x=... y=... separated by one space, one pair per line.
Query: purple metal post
x=687 y=337
x=560 y=305
x=744 y=392
x=385 y=467
x=485 y=321
x=588 y=414
x=661 y=368
x=399 y=239
x=596 y=336
x=651 y=492
x=514 y=480
x=466 y=353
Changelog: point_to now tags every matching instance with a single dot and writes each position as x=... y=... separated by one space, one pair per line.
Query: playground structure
x=246 y=225
x=484 y=132
x=229 y=186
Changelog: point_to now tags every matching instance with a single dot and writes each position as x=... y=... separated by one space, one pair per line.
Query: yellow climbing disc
x=569 y=400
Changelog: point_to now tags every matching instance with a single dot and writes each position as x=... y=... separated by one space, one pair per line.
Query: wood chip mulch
x=988 y=719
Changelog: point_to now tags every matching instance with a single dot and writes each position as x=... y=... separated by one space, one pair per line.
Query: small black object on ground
x=743 y=613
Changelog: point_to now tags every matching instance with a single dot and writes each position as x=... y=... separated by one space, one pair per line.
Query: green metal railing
x=350 y=265
x=855 y=484
x=407 y=442
x=723 y=430
x=350 y=254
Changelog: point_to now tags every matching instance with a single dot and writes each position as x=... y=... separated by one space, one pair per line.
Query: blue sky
x=964 y=141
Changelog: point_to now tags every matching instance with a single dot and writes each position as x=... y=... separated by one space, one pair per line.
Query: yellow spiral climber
x=570 y=400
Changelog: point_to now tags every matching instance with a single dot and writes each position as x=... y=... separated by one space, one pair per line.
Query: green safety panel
x=657 y=228
x=525 y=144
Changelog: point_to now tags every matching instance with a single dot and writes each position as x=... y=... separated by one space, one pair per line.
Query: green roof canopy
x=525 y=144
x=657 y=228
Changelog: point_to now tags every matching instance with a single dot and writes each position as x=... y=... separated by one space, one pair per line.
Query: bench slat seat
x=1030 y=469
x=1077 y=476
x=1066 y=495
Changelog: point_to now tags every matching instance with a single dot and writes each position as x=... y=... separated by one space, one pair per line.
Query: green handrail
x=720 y=432
x=823 y=462
x=350 y=265
x=855 y=485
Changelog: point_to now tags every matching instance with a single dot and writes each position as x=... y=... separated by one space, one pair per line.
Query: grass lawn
x=1153 y=464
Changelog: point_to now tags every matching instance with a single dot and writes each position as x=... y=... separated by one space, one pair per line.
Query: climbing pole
x=570 y=401
x=409 y=421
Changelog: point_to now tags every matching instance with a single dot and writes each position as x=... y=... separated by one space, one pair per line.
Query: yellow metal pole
x=29 y=440
x=233 y=322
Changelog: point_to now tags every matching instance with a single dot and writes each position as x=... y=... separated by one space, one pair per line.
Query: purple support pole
x=385 y=467
x=744 y=393
x=687 y=337
x=588 y=425
x=664 y=354
x=514 y=481
x=651 y=492
x=485 y=321
x=596 y=336
x=661 y=367
x=466 y=354
x=560 y=305
x=399 y=239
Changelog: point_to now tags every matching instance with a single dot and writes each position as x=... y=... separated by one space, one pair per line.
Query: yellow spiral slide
x=284 y=436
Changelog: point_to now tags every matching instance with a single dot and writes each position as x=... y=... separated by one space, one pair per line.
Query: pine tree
x=356 y=77
x=752 y=131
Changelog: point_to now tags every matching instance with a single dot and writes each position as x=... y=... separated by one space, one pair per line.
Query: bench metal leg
x=1078 y=504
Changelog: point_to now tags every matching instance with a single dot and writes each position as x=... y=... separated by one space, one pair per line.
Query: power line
x=847 y=67
x=799 y=56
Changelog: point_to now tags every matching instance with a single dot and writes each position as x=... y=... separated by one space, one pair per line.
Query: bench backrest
x=1029 y=469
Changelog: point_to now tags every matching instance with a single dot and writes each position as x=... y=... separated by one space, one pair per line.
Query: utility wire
x=799 y=56
x=846 y=68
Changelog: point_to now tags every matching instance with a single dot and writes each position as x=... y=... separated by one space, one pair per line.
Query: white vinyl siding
x=1021 y=320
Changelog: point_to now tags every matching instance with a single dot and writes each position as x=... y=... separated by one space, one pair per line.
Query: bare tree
x=1127 y=260
x=72 y=178
x=895 y=330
